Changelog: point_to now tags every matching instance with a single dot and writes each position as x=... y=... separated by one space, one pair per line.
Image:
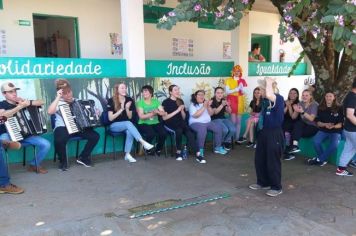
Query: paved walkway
x=95 y=201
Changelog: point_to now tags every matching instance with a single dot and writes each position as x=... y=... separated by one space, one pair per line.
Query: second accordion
x=79 y=115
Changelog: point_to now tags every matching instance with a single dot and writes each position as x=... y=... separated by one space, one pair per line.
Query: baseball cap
x=7 y=87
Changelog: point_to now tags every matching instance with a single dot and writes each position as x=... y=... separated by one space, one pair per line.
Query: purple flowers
x=244 y=2
x=288 y=18
x=171 y=14
x=219 y=14
x=352 y=2
x=340 y=20
x=197 y=7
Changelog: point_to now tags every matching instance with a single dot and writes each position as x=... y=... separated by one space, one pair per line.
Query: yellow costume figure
x=234 y=89
x=235 y=97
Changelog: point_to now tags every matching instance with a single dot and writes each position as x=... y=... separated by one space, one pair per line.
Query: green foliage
x=301 y=18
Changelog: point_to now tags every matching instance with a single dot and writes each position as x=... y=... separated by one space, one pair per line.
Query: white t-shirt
x=203 y=118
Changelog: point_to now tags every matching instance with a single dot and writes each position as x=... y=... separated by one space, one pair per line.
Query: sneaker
x=158 y=153
x=84 y=161
x=220 y=150
x=254 y=146
x=293 y=149
x=258 y=187
x=227 y=146
x=250 y=144
x=129 y=158
x=201 y=160
x=241 y=140
x=274 y=193
x=39 y=170
x=147 y=145
x=6 y=144
x=343 y=172
x=288 y=157
x=179 y=157
x=62 y=167
x=11 y=188
x=352 y=164
x=315 y=161
x=201 y=152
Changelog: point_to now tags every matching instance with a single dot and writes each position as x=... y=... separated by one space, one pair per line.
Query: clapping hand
x=128 y=105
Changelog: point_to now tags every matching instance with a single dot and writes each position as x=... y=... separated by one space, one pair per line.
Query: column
x=240 y=44
x=133 y=37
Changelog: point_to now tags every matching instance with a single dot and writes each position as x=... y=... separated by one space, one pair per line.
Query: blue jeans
x=4 y=174
x=349 y=149
x=318 y=140
x=42 y=146
x=229 y=129
x=129 y=129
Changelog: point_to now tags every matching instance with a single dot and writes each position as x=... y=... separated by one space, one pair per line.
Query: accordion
x=26 y=122
x=79 y=115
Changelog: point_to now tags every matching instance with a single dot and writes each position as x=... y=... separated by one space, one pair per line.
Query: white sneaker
x=129 y=158
x=147 y=145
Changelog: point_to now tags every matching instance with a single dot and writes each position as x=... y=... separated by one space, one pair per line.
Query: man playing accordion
x=61 y=134
x=12 y=105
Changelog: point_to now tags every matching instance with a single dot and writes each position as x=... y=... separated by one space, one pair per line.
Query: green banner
x=49 y=68
x=158 y=68
x=275 y=69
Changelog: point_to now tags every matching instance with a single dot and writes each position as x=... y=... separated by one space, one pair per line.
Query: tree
x=325 y=29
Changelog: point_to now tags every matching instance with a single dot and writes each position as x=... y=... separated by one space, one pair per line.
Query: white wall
x=96 y=19
x=267 y=24
x=208 y=44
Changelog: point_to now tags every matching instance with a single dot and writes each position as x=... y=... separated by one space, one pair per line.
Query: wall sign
x=158 y=68
x=275 y=69
x=24 y=22
x=49 y=68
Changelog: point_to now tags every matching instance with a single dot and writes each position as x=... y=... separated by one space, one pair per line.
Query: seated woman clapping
x=255 y=106
x=149 y=109
x=220 y=106
x=329 y=120
x=175 y=120
x=200 y=121
x=120 y=108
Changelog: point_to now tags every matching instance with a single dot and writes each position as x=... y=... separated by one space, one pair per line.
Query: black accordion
x=79 y=115
x=26 y=122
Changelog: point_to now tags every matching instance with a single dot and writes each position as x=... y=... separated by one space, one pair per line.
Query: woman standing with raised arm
x=270 y=140
x=175 y=120
x=120 y=108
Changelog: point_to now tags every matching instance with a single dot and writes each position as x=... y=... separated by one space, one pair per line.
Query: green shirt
x=154 y=105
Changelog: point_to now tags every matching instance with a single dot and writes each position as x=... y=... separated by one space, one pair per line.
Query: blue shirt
x=273 y=116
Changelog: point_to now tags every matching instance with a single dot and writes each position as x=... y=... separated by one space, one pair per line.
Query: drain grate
x=172 y=204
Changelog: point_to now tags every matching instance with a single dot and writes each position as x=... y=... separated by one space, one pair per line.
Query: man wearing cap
x=5 y=185
x=12 y=104
x=270 y=140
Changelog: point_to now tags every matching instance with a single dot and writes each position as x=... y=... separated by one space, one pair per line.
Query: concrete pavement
x=95 y=201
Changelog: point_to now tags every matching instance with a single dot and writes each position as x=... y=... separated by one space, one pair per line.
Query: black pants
x=151 y=131
x=302 y=130
x=270 y=145
x=185 y=129
x=61 y=138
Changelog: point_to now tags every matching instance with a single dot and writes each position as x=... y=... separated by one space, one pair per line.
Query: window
x=151 y=14
x=265 y=41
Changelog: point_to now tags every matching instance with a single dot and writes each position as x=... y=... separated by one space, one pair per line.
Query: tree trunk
x=332 y=72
